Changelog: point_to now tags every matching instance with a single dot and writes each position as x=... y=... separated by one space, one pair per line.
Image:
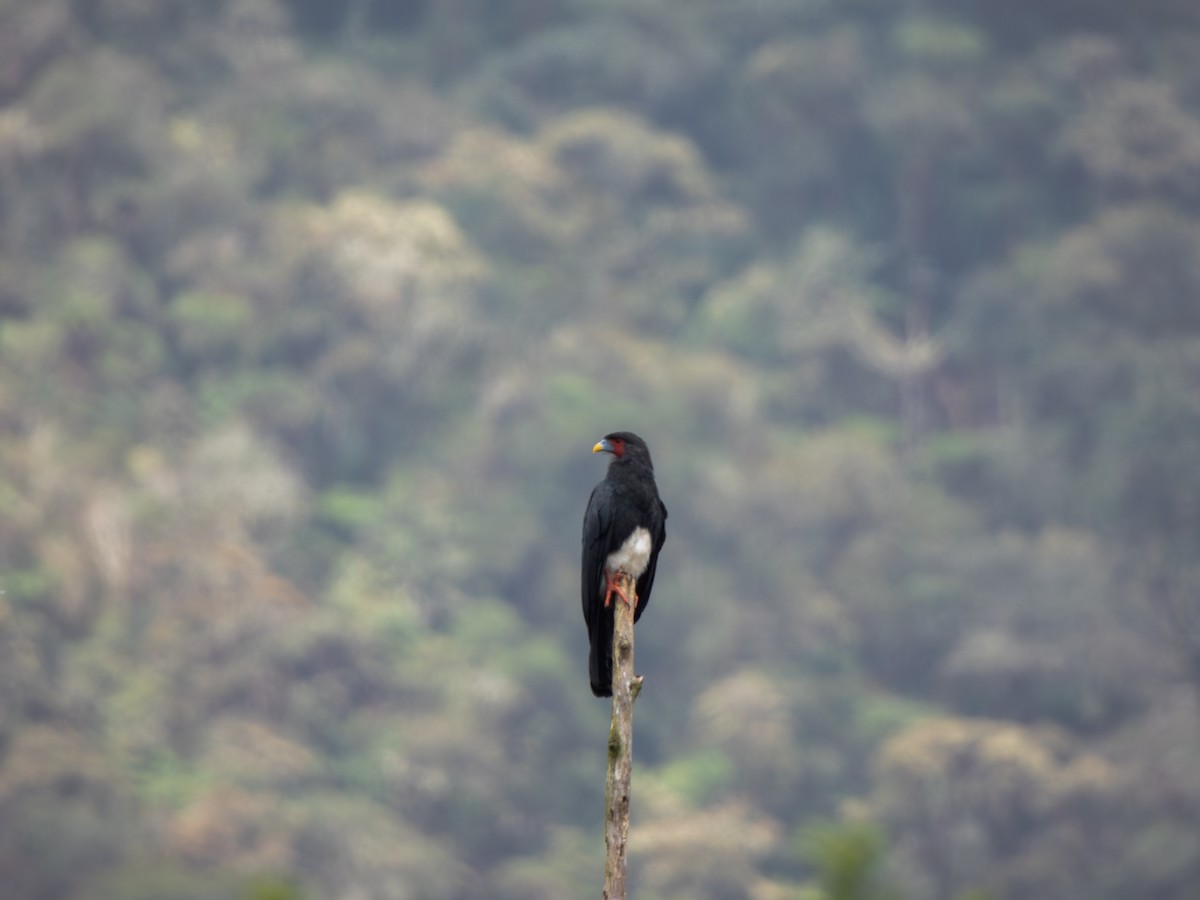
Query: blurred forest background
x=311 y=312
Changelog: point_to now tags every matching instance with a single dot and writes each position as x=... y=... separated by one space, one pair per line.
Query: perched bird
x=623 y=530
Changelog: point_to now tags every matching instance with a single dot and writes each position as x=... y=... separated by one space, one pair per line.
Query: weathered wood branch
x=626 y=687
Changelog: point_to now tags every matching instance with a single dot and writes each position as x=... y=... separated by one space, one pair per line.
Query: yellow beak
x=600 y=446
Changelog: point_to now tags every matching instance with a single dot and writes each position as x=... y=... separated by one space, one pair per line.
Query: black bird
x=623 y=530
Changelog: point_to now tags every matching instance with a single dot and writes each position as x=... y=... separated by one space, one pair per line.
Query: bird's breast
x=633 y=555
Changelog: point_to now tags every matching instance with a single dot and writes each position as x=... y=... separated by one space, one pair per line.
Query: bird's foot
x=612 y=584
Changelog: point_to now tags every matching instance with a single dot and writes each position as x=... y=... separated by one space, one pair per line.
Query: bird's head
x=624 y=445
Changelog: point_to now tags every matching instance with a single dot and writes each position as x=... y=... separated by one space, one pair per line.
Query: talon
x=613 y=586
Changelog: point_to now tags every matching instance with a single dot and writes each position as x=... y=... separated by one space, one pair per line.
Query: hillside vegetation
x=310 y=314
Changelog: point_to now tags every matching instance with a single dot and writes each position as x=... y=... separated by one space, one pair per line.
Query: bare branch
x=626 y=687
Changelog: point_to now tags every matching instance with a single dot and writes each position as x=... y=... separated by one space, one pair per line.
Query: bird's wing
x=658 y=536
x=597 y=532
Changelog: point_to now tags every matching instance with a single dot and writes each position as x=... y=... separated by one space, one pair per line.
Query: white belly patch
x=634 y=554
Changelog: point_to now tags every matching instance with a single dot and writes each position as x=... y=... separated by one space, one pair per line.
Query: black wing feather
x=658 y=536
x=597 y=536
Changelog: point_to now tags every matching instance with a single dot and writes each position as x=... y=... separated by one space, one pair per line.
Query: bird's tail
x=600 y=654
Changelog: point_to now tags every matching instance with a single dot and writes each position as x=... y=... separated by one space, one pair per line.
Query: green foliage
x=208 y=326
x=938 y=42
x=164 y=882
x=28 y=587
x=698 y=777
x=847 y=859
x=272 y=889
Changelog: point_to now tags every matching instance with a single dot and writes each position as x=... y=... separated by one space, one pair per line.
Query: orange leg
x=613 y=586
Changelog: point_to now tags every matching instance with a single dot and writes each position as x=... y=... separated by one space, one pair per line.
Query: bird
x=624 y=528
